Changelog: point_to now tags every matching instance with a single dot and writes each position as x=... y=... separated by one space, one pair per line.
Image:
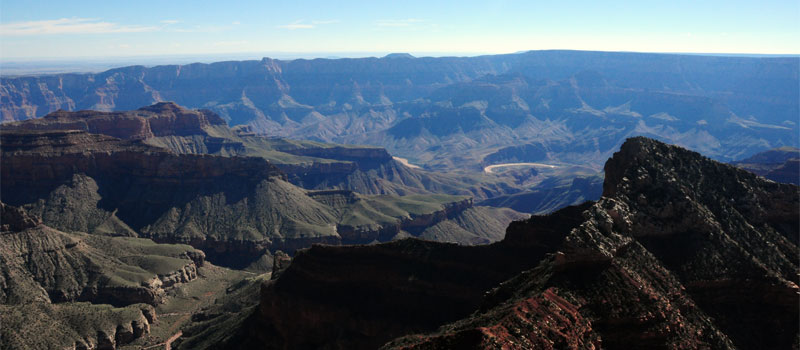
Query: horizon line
x=360 y=54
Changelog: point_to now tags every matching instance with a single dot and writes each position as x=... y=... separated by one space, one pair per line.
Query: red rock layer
x=160 y=119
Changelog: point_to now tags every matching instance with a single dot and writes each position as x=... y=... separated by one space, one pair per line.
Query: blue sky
x=109 y=28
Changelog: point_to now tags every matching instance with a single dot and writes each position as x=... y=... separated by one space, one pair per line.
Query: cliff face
x=409 y=285
x=74 y=325
x=235 y=208
x=311 y=165
x=45 y=273
x=142 y=182
x=100 y=184
x=681 y=252
x=43 y=264
x=160 y=119
x=432 y=109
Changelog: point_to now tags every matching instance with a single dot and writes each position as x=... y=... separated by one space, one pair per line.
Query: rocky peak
x=680 y=252
x=13 y=219
x=167 y=106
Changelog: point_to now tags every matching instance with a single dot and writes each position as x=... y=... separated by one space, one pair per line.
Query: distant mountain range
x=568 y=107
x=275 y=214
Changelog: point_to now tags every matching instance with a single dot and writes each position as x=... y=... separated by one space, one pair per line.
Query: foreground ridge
x=681 y=252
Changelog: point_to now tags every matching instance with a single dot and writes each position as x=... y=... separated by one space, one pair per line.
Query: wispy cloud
x=200 y=28
x=327 y=21
x=170 y=21
x=397 y=22
x=293 y=26
x=69 y=26
x=301 y=24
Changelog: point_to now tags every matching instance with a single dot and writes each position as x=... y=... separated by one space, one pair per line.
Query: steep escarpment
x=236 y=209
x=408 y=285
x=44 y=264
x=680 y=252
x=38 y=162
x=44 y=273
x=158 y=120
x=74 y=325
x=576 y=106
x=96 y=183
x=311 y=165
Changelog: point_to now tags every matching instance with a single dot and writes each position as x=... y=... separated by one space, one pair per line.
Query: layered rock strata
x=681 y=252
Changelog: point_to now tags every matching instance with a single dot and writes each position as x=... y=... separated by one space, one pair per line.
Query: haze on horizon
x=39 y=30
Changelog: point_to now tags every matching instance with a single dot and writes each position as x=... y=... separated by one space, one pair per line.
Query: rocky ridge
x=311 y=165
x=236 y=209
x=59 y=281
x=680 y=252
x=49 y=265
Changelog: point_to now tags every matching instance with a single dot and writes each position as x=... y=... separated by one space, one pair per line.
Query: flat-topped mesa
x=33 y=164
x=160 y=119
x=44 y=156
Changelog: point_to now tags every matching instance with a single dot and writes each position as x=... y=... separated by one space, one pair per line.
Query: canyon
x=575 y=107
x=677 y=252
x=386 y=203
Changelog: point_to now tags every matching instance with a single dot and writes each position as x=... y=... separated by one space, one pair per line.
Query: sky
x=39 y=30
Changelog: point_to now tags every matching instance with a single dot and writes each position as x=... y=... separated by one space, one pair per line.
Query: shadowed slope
x=676 y=254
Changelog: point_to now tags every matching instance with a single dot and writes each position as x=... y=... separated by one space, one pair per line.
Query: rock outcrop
x=43 y=264
x=95 y=182
x=160 y=119
x=408 y=285
x=680 y=252
x=311 y=165
x=46 y=273
x=74 y=325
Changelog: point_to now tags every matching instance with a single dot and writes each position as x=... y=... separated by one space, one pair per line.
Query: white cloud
x=397 y=22
x=170 y=21
x=236 y=23
x=69 y=26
